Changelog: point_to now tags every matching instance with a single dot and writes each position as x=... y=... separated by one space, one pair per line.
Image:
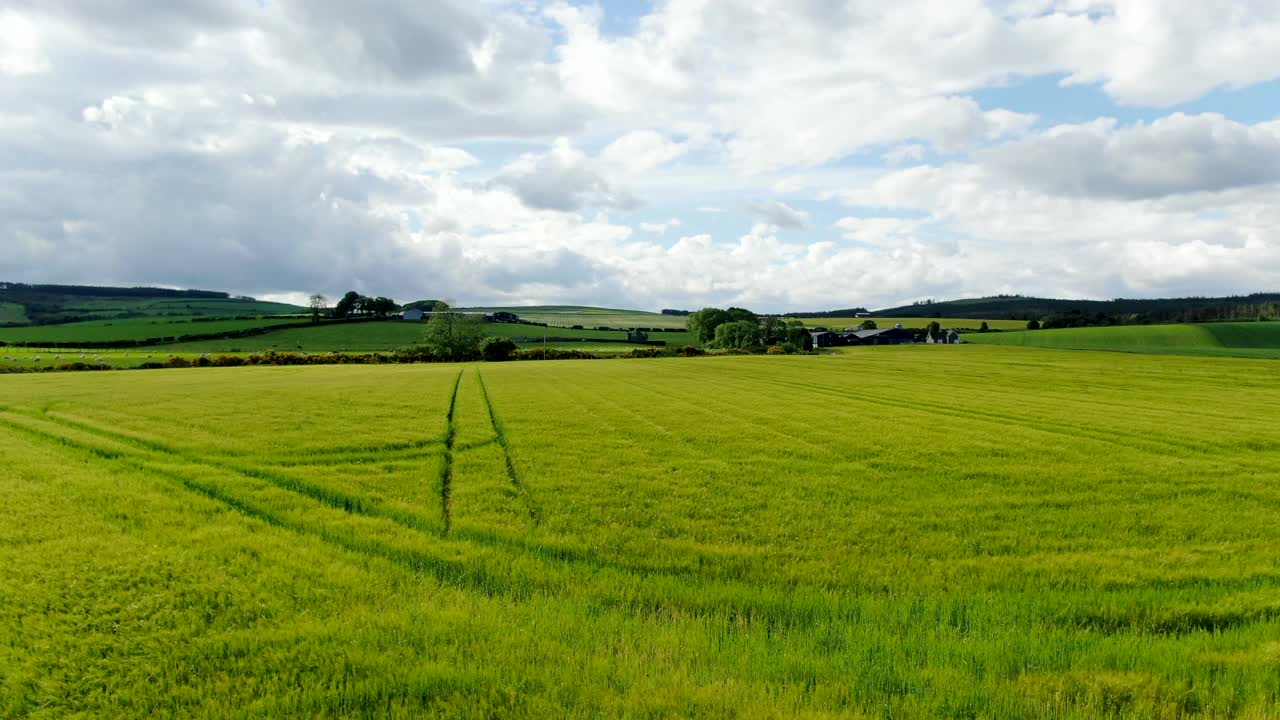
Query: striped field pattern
x=907 y=532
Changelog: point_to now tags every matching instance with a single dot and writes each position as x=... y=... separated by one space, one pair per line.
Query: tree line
x=737 y=328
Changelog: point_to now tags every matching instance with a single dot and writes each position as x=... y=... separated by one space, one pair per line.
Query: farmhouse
x=942 y=337
x=414 y=315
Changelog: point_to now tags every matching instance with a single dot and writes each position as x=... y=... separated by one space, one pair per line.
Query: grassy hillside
x=46 y=304
x=984 y=532
x=1246 y=335
x=12 y=313
x=132 y=329
x=1027 y=308
x=1226 y=339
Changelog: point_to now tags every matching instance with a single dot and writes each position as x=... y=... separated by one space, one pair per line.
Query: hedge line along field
x=1255 y=339
x=907 y=532
x=390 y=335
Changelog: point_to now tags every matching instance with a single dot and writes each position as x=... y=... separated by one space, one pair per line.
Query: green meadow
x=906 y=532
x=143 y=328
x=1240 y=339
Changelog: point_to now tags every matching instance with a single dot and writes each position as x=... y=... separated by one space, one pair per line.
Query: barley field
x=905 y=532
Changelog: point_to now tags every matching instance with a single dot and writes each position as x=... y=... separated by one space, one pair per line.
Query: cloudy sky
x=777 y=154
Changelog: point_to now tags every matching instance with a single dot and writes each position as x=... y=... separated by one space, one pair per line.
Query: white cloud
x=563 y=178
x=1176 y=154
x=640 y=151
x=781 y=215
x=494 y=151
x=20 y=52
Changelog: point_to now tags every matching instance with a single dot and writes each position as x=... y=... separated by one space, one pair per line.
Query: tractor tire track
x=513 y=474
x=446 y=468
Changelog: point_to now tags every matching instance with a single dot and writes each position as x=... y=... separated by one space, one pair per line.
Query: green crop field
x=907 y=532
x=133 y=329
x=1216 y=339
x=590 y=317
x=342 y=337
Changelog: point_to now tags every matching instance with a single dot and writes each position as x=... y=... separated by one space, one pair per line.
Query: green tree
x=1033 y=324
x=773 y=326
x=985 y=327
x=317 y=303
x=935 y=327
x=453 y=335
x=869 y=325
x=347 y=304
x=739 y=335
x=703 y=323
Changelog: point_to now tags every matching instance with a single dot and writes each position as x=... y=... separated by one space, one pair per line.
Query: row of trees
x=353 y=303
x=740 y=329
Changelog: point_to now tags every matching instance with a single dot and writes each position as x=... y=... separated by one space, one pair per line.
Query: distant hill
x=1119 y=311
x=37 y=304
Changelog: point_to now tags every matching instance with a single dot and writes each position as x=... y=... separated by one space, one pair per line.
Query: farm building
x=888 y=336
x=413 y=315
x=942 y=337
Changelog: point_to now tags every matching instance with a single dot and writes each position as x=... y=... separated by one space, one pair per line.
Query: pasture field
x=23 y=358
x=906 y=532
x=1257 y=339
x=379 y=336
x=159 y=306
x=132 y=329
x=913 y=322
x=344 y=337
x=570 y=315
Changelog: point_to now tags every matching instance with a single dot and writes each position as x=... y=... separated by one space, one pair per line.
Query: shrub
x=776 y=350
x=790 y=348
x=495 y=349
x=552 y=354
x=691 y=351
x=646 y=352
x=228 y=361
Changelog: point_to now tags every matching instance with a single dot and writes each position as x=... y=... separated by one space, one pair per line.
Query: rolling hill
x=1222 y=339
x=1017 y=307
x=22 y=304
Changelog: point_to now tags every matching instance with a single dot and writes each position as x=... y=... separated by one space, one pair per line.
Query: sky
x=781 y=155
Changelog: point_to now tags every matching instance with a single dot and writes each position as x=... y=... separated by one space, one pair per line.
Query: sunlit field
x=1238 y=339
x=907 y=532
